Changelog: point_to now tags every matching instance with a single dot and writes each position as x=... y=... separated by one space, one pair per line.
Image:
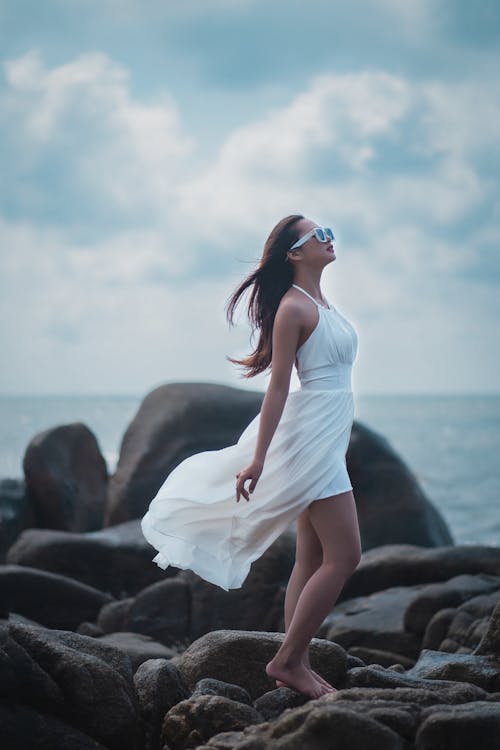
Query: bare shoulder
x=292 y=304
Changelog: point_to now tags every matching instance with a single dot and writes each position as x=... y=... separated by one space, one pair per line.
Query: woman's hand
x=253 y=472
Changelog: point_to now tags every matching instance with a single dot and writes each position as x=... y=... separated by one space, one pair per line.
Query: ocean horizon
x=451 y=442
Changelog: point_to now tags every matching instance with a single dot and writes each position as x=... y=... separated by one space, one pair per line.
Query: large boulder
x=66 y=478
x=16 y=512
x=240 y=657
x=116 y=559
x=84 y=683
x=392 y=507
x=49 y=599
x=173 y=422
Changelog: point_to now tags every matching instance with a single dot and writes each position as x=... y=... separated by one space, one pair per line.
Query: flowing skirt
x=194 y=520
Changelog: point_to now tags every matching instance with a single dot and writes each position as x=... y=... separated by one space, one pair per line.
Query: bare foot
x=297 y=677
x=316 y=676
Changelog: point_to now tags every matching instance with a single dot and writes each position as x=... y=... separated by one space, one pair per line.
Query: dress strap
x=310 y=297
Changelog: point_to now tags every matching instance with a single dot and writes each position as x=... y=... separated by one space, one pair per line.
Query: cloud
x=119 y=237
x=129 y=153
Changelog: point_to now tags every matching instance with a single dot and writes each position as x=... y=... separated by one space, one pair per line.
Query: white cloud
x=97 y=307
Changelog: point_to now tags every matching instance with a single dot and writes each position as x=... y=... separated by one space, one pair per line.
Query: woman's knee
x=346 y=559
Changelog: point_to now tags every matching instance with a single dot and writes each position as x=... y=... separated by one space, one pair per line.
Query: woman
x=293 y=453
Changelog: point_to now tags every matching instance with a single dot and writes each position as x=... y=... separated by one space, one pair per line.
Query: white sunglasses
x=322 y=234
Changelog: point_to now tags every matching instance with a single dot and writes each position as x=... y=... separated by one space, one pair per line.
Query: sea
x=450 y=442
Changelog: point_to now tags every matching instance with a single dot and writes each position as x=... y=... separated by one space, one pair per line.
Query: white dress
x=194 y=520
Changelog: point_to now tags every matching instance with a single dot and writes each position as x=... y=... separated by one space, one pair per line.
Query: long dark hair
x=270 y=280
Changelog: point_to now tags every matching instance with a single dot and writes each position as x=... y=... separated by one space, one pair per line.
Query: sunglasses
x=322 y=234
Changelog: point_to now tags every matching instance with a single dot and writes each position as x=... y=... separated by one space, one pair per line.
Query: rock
x=483 y=671
x=208 y=686
x=460 y=629
x=16 y=512
x=322 y=724
x=392 y=507
x=257 y=605
x=198 y=718
x=138 y=647
x=66 y=478
x=275 y=702
x=460 y=727
x=384 y=658
x=490 y=643
x=159 y=687
x=116 y=559
x=240 y=657
x=49 y=599
x=435 y=596
x=173 y=422
x=374 y=622
x=443 y=691
x=408 y=565
x=90 y=684
x=90 y=629
x=111 y=618
x=21 y=724
x=162 y=611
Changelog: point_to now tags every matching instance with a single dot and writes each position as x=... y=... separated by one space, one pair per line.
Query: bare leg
x=336 y=524
x=308 y=557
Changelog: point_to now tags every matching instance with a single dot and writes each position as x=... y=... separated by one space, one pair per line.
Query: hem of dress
x=339 y=492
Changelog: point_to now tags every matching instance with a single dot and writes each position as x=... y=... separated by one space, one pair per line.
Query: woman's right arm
x=286 y=332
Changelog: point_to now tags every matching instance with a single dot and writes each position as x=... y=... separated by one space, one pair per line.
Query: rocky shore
x=100 y=648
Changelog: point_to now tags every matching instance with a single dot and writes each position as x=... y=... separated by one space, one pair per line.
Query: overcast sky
x=149 y=147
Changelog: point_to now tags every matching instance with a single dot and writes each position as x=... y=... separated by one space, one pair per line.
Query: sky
x=148 y=148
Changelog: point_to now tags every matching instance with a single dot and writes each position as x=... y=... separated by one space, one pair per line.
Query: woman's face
x=313 y=250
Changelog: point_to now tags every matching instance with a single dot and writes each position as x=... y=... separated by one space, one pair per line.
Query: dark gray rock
x=66 y=478
x=24 y=728
x=111 y=618
x=374 y=622
x=116 y=559
x=240 y=657
x=198 y=718
x=173 y=422
x=272 y=704
x=159 y=687
x=408 y=565
x=490 y=643
x=483 y=671
x=322 y=724
x=384 y=658
x=90 y=684
x=444 y=691
x=435 y=596
x=138 y=647
x=16 y=513
x=208 y=686
x=392 y=508
x=49 y=599
x=162 y=611
x=460 y=629
x=460 y=727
